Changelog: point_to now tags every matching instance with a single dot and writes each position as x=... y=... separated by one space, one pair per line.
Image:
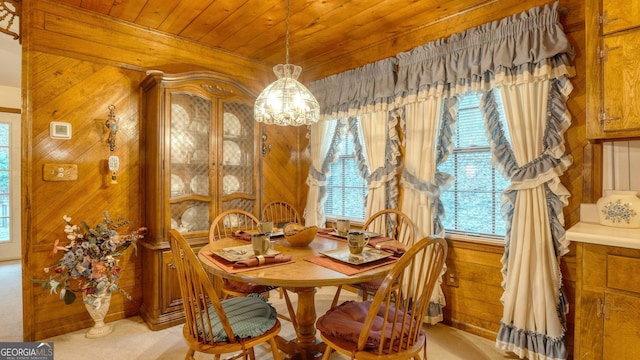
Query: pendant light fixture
x=286 y=101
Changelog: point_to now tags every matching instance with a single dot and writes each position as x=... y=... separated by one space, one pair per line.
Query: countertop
x=588 y=230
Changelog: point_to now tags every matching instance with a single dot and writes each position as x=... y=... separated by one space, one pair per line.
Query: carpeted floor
x=132 y=339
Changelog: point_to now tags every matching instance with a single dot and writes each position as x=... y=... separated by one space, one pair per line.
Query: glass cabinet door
x=238 y=162
x=190 y=198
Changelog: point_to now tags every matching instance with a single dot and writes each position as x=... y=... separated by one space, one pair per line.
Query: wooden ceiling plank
x=72 y=2
x=322 y=27
x=127 y=10
x=365 y=34
x=234 y=27
x=99 y=6
x=183 y=15
x=210 y=18
x=273 y=37
x=155 y=12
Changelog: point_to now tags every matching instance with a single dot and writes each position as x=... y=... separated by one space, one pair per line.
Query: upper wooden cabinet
x=199 y=154
x=613 y=68
x=619 y=15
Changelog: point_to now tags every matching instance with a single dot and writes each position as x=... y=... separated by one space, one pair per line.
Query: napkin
x=396 y=251
x=325 y=230
x=242 y=235
x=262 y=260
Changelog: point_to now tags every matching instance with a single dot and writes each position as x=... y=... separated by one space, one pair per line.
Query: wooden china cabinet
x=199 y=157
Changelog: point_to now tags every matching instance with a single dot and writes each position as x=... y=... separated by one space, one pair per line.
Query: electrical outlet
x=60 y=172
x=451 y=277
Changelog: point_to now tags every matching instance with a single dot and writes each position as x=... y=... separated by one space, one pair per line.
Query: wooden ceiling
x=322 y=32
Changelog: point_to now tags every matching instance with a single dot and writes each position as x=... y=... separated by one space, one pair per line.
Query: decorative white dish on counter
x=619 y=208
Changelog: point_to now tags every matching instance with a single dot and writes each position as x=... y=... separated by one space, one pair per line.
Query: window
x=5 y=172
x=472 y=204
x=346 y=189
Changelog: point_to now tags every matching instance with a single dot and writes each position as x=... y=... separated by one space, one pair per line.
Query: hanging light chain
x=286 y=37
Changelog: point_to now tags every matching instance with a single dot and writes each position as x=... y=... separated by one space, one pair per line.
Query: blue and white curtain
x=529 y=59
x=361 y=99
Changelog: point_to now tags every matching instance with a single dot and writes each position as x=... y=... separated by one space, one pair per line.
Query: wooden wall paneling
x=474 y=305
x=78 y=92
x=283 y=174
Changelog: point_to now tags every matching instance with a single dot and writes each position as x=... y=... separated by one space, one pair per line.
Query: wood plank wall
x=76 y=64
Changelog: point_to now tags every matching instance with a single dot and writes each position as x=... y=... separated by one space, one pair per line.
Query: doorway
x=10 y=216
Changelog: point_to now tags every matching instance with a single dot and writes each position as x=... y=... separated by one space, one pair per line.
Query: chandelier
x=286 y=101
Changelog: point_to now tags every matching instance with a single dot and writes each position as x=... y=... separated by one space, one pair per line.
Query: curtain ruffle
x=529 y=344
x=360 y=153
x=521 y=48
x=393 y=159
x=369 y=87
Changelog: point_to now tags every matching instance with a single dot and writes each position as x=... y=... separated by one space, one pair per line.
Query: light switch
x=60 y=172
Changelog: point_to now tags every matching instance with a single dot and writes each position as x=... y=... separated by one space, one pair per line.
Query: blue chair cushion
x=249 y=316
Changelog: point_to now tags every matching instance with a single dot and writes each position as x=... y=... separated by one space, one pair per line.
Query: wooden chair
x=390 y=223
x=224 y=225
x=280 y=212
x=389 y=326
x=211 y=325
x=230 y=221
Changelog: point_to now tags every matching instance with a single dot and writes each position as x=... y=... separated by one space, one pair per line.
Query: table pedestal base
x=305 y=345
x=295 y=352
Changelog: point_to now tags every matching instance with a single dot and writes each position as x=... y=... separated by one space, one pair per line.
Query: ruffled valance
x=366 y=89
x=520 y=48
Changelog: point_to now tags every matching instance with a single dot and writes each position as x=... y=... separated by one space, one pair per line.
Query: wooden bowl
x=299 y=236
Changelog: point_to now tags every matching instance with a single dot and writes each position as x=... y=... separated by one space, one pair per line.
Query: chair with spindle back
x=390 y=325
x=390 y=223
x=219 y=327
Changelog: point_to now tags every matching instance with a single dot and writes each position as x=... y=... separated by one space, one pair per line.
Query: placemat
x=228 y=265
x=345 y=268
x=372 y=241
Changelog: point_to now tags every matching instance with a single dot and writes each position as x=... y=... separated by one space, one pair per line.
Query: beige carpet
x=132 y=339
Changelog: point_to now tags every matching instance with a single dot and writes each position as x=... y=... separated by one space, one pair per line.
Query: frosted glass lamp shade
x=286 y=101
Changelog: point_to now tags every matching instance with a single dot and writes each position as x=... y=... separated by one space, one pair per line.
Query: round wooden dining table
x=300 y=276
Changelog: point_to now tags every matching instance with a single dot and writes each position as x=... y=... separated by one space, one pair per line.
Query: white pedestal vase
x=619 y=208
x=98 y=313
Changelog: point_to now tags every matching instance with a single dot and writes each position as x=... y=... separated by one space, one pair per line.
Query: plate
x=231 y=154
x=179 y=116
x=196 y=218
x=230 y=221
x=177 y=185
x=199 y=127
x=200 y=185
x=277 y=232
x=230 y=184
x=231 y=125
x=368 y=255
x=174 y=223
x=239 y=253
x=200 y=157
x=369 y=233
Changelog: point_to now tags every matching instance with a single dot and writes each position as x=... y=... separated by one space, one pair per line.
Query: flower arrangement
x=91 y=259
